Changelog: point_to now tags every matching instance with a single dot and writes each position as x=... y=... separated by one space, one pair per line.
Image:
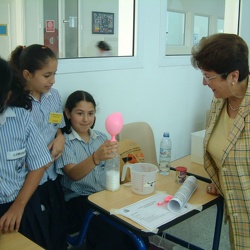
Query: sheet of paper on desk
x=149 y=215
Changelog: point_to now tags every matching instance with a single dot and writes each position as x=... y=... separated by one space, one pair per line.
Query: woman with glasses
x=223 y=61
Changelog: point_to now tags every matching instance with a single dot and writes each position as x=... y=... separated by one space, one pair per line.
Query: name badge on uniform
x=55 y=117
x=13 y=155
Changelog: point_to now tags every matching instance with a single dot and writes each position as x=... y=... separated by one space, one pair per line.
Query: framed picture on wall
x=102 y=23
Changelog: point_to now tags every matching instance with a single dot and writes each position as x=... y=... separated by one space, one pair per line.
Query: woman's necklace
x=234 y=109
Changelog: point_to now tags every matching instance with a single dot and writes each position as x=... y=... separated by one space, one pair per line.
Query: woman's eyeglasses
x=207 y=79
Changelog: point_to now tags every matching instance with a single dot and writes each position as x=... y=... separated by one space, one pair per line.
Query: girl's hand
x=57 y=146
x=108 y=150
x=11 y=220
x=211 y=189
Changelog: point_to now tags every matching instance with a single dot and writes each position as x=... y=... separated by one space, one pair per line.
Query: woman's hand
x=57 y=146
x=108 y=150
x=211 y=189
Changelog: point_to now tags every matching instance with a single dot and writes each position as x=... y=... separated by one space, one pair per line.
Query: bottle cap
x=165 y=134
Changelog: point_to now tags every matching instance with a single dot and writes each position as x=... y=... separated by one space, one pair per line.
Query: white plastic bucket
x=143 y=177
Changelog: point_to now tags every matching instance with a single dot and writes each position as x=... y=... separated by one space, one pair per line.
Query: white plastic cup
x=143 y=177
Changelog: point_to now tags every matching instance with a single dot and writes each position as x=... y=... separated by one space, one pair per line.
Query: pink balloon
x=114 y=124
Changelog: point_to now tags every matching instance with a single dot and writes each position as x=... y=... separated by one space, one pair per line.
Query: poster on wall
x=3 y=30
x=50 y=25
x=102 y=23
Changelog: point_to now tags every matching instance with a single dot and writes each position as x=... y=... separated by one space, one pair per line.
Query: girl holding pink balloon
x=83 y=167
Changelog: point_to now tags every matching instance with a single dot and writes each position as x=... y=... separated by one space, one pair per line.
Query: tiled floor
x=198 y=230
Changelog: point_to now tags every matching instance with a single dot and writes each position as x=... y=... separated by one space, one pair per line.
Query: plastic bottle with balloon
x=113 y=124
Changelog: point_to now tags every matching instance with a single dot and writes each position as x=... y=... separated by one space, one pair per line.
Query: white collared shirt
x=8 y=112
x=21 y=144
x=75 y=151
x=50 y=102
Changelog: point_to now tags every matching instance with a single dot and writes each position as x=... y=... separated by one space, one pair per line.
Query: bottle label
x=165 y=154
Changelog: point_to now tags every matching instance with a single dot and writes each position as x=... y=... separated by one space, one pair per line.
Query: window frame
x=78 y=65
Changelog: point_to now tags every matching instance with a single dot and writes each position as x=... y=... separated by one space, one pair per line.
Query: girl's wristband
x=93 y=158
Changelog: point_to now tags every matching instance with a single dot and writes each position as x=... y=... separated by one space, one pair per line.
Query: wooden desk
x=193 y=168
x=14 y=241
x=105 y=200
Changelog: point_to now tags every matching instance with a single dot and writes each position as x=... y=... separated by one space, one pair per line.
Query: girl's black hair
x=71 y=103
x=31 y=58
x=5 y=83
x=19 y=96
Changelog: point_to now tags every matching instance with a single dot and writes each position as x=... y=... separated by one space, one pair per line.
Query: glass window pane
x=175 y=33
x=50 y=18
x=220 y=25
x=71 y=29
x=199 y=19
x=201 y=26
x=74 y=28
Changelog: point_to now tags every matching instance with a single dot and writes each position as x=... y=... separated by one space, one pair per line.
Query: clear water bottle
x=113 y=173
x=165 y=154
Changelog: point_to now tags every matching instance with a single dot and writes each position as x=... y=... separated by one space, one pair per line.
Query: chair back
x=131 y=153
x=142 y=134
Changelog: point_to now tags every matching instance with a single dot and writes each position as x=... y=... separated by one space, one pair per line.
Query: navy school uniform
x=22 y=149
x=100 y=234
x=50 y=190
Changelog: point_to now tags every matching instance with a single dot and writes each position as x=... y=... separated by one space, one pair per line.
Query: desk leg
x=78 y=240
x=218 y=224
x=137 y=239
x=217 y=230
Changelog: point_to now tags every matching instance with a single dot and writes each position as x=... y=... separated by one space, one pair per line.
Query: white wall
x=244 y=21
x=164 y=91
x=9 y=15
x=231 y=14
x=34 y=31
x=169 y=98
x=5 y=40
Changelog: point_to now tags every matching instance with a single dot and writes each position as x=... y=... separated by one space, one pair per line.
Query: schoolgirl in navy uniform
x=83 y=167
x=20 y=167
x=36 y=66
